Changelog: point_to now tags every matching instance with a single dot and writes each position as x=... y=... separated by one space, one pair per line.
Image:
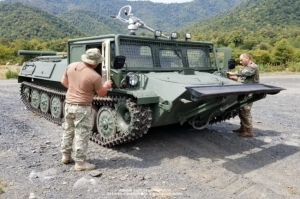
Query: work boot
x=247 y=133
x=83 y=166
x=66 y=158
x=239 y=130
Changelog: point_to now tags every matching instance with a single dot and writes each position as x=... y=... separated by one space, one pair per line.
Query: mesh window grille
x=170 y=58
x=166 y=55
x=137 y=54
x=198 y=58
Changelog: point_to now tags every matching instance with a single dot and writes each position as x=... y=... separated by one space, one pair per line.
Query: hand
x=231 y=74
x=108 y=84
x=235 y=78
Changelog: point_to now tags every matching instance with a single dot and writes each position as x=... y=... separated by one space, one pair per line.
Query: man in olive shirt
x=82 y=82
x=248 y=75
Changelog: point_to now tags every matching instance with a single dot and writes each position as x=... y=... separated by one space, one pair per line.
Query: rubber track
x=51 y=92
x=142 y=114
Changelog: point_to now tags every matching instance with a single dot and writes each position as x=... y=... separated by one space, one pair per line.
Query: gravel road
x=169 y=162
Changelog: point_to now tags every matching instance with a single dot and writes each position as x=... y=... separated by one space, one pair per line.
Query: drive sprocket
x=132 y=119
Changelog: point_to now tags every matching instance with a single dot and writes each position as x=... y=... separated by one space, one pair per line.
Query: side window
x=220 y=56
x=76 y=52
x=223 y=55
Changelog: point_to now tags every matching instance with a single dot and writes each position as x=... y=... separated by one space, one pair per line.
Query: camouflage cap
x=92 y=56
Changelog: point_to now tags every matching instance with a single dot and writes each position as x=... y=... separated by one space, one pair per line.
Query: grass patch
x=2 y=185
x=271 y=68
x=288 y=67
x=293 y=66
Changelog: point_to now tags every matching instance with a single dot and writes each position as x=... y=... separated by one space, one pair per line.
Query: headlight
x=133 y=79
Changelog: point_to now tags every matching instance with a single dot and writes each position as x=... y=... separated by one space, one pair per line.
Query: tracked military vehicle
x=157 y=80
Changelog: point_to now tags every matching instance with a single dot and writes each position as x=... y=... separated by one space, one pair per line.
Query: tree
x=6 y=54
x=236 y=37
x=283 y=52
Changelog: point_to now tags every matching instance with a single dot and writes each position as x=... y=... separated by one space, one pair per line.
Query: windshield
x=144 y=54
x=198 y=58
x=170 y=58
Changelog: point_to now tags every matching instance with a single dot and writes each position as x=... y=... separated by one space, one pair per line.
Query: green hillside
x=19 y=21
x=93 y=23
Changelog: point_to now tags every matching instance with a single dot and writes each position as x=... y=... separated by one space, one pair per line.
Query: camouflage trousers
x=78 y=124
x=245 y=116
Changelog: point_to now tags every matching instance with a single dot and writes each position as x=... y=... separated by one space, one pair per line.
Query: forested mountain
x=166 y=17
x=266 y=19
x=267 y=29
x=19 y=21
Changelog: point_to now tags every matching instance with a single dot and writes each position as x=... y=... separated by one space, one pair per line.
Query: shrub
x=11 y=74
x=261 y=56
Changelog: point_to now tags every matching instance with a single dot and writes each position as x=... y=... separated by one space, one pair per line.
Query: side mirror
x=231 y=64
x=119 y=62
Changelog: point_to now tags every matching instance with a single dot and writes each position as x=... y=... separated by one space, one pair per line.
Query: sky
x=170 y=1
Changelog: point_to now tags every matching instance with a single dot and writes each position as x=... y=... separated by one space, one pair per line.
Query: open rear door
x=105 y=70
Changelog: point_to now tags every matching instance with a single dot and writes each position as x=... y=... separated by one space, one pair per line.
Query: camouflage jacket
x=249 y=74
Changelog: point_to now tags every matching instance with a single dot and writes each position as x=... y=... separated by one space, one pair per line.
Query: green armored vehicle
x=157 y=81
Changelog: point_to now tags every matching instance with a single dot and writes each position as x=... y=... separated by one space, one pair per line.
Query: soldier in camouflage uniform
x=82 y=82
x=248 y=75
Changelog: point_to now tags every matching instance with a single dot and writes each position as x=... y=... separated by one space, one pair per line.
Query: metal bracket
x=166 y=105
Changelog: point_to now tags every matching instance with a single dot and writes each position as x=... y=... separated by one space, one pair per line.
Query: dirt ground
x=169 y=162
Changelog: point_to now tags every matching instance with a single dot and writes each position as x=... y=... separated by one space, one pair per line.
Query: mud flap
x=202 y=92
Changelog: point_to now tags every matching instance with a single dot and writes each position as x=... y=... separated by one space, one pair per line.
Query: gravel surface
x=169 y=162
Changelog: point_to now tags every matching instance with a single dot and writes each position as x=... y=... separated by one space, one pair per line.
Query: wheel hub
x=106 y=122
x=127 y=117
